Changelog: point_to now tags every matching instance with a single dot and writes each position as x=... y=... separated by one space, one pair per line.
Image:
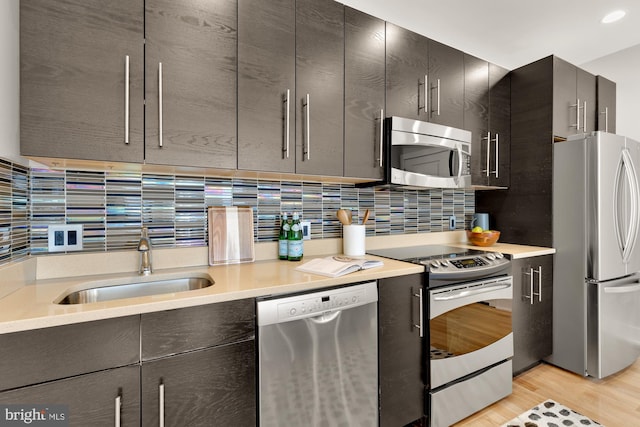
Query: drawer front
x=171 y=332
x=63 y=351
x=211 y=387
x=455 y=402
x=90 y=400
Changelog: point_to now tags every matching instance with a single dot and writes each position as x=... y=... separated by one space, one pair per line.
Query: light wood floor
x=613 y=401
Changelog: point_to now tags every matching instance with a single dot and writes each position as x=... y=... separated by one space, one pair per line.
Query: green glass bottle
x=295 y=250
x=283 y=238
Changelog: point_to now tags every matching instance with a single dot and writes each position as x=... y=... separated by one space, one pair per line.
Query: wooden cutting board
x=230 y=235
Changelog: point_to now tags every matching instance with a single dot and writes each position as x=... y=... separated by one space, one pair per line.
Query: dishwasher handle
x=326 y=317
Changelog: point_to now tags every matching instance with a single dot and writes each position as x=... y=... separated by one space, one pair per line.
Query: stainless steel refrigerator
x=596 y=285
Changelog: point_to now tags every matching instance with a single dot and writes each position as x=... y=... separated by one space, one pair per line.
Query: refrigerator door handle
x=626 y=243
x=635 y=287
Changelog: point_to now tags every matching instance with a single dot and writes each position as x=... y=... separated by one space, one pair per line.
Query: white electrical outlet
x=65 y=237
x=306 y=230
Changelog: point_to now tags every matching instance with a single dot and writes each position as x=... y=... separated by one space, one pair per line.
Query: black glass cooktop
x=417 y=254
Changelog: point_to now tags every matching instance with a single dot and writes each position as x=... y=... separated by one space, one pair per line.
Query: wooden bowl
x=485 y=238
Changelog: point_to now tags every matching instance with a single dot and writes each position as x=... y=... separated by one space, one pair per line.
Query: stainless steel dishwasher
x=318 y=358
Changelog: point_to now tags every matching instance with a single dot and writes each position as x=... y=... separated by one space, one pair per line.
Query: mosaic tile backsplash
x=113 y=206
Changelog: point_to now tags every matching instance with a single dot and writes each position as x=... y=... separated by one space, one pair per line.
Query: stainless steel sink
x=113 y=291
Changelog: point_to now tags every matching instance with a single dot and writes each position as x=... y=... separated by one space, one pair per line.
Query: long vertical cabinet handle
x=420 y=325
x=531 y=293
x=437 y=88
x=160 y=104
x=380 y=161
x=497 y=141
x=308 y=132
x=606 y=119
x=539 y=272
x=286 y=124
x=118 y=407
x=438 y=97
x=126 y=99
x=426 y=94
x=161 y=403
x=488 y=168
x=577 y=107
x=584 y=117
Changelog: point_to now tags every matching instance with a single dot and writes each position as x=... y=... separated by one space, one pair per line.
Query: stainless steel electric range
x=469 y=335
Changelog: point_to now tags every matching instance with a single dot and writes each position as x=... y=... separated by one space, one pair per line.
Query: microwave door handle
x=459 y=161
x=459 y=174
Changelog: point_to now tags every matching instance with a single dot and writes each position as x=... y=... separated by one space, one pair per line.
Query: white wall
x=623 y=67
x=10 y=80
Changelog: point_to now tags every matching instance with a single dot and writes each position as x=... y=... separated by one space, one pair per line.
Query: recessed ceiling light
x=614 y=16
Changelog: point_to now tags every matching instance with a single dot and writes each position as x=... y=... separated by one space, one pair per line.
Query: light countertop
x=514 y=251
x=32 y=306
x=29 y=288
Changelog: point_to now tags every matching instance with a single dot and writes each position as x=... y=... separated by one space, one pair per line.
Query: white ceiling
x=512 y=33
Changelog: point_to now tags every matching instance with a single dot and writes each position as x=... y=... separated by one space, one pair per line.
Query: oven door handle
x=466 y=293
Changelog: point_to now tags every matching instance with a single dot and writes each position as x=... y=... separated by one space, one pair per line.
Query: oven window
x=469 y=328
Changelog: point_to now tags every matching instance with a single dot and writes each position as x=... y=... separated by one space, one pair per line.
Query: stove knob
x=491 y=256
x=499 y=255
x=445 y=263
x=292 y=312
x=435 y=264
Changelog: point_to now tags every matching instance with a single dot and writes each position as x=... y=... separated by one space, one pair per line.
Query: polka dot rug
x=551 y=414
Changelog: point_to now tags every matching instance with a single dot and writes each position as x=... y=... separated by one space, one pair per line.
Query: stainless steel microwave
x=426 y=155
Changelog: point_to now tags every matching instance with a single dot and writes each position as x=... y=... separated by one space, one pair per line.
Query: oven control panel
x=465 y=263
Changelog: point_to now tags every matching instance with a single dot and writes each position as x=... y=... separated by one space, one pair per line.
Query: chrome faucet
x=144 y=247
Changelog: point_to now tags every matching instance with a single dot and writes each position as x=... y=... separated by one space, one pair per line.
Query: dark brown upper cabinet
x=500 y=123
x=476 y=117
x=364 y=95
x=606 y=104
x=487 y=114
x=574 y=99
x=319 y=99
x=425 y=78
x=266 y=85
x=81 y=79
x=445 y=85
x=544 y=97
x=291 y=86
x=407 y=61
x=190 y=69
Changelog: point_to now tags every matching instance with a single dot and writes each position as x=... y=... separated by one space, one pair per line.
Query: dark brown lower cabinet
x=532 y=311
x=202 y=358
x=91 y=399
x=400 y=350
x=211 y=387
